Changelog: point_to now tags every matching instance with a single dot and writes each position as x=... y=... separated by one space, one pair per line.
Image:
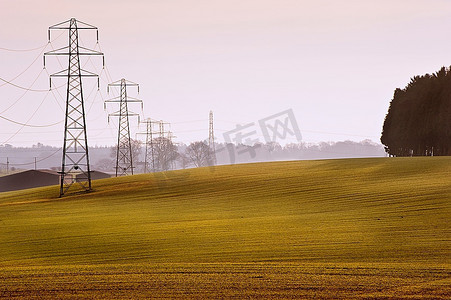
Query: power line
x=52 y=131
x=32 y=63
x=30 y=49
x=185 y=122
x=22 y=50
x=35 y=161
x=56 y=100
x=18 y=99
x=29 y=89
x=28 y=125
x=26 y=69
x=107 y=73
x=24 y=124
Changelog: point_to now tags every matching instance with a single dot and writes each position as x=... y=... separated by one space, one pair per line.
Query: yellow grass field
x=333 y=229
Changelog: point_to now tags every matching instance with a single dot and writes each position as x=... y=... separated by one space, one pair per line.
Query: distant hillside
x=47 y=157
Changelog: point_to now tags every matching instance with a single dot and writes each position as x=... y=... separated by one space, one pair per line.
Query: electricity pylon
x=124 y=152
x=211 y=139
x=162 y=146
x=161 y=128
x=170 y=137
x=75 y=163
x=149 y=159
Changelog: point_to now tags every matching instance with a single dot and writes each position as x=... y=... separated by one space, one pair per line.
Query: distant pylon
x=211 y=139
x=124 y=151
x=75 y=163
x=171 y=136
x=161 y=147
x=161 y=128
x=149 y=159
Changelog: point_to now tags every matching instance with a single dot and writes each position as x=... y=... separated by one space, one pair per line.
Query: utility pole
x=35 y=163
x=7 y=165
x=150 y=155
x=75 y=163
x=211 y=139
x=124 y=152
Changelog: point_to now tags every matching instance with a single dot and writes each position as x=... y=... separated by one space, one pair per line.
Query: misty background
x=335 y=64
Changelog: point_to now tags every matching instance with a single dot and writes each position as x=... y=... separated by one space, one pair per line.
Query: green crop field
x=331 y=229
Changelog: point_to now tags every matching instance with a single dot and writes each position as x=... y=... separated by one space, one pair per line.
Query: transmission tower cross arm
x=66 y=25
x=122 y=83
x=118 y=100
x=72 y=24
x=66 y=51
x=115 y=100
x=122 y=114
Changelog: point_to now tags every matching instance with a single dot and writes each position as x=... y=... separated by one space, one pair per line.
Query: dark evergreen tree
x=418 y=121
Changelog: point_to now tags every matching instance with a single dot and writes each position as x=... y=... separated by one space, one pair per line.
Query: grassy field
x=354 y=228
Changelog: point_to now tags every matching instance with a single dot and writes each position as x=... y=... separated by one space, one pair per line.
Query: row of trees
x=168 y=156
x=418 y=122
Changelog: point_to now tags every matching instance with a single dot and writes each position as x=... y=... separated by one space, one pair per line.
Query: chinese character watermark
x=284 y=120
x=274 y=128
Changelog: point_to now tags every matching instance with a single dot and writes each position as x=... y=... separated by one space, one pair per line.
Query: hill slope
x=352 y=210
x=356 y=211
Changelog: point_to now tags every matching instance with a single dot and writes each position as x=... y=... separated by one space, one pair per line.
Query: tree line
x=418 y=122
x=169 y=155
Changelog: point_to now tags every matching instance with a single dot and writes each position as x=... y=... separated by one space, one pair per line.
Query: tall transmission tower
x=75 y=163
x=124 y=152
x=149 y=159
x=211 y=139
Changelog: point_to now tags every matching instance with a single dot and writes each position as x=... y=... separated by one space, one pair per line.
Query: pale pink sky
x=335 y=63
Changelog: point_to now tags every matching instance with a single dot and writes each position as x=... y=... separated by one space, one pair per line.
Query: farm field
x=331 y=229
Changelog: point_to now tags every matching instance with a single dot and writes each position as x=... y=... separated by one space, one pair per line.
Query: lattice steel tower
x=75 y=163
x=211 y=139
x=124 y=152
x=149 y=159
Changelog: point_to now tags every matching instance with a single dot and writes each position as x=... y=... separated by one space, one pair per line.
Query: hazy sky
x=335 y=63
